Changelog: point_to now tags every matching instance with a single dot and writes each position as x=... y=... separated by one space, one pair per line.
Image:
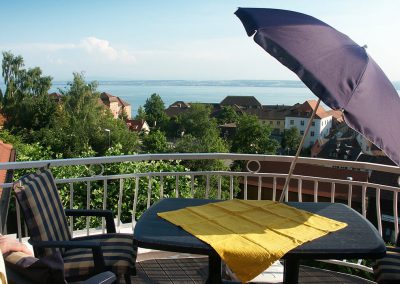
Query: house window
x=302 y=122
x=312 y=133
x=313 y=123
x=278 y=123
x=301 y=132
x=291 y=122
x=270 y=122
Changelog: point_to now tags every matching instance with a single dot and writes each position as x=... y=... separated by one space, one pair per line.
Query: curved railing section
x=133 y=192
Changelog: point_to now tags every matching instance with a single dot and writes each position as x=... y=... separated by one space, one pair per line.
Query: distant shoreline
x=200 y=83
x=210 y=83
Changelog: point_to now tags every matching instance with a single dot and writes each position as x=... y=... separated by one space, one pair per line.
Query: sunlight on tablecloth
x=250 y=235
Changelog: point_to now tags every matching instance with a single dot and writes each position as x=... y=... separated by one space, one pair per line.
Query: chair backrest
x=44 y=214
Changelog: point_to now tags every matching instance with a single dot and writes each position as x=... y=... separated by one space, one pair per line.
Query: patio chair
x=387 y=269
x=83 y=257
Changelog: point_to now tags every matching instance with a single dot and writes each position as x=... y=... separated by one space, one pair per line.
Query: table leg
x=214 y=269
x=291 y=271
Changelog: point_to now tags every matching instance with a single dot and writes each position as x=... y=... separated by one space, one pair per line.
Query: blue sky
x=177 y=39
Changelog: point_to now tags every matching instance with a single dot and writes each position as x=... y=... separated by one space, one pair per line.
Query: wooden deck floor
x=195 y=270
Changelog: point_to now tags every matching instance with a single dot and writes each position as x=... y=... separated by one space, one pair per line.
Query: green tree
x=253 y=137
x=291 y=139
x=227 y=115
x=80 y=123
x=141 y=114
x=155 y=142
x=154 y=109
x=25 y=103
x=197 y=121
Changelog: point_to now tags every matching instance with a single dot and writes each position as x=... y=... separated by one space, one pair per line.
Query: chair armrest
x=393 y=249
x=104 y=278
x=95 y=212
x=98 y=258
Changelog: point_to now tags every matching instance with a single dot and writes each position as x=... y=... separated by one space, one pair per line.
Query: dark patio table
x=359 y=239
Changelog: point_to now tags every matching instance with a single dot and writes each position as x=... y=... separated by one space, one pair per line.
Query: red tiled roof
x=324 y=188
x=7 y=154
x=135 y=124
x=306 y=108
x=2 y=120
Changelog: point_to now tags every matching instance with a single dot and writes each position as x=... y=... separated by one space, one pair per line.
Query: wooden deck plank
x=195 y=270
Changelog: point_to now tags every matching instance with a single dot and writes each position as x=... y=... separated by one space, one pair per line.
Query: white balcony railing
x=137 y=188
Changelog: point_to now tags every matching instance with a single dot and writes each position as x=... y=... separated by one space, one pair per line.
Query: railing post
x=121 y=192
x=315 y=191
x=149 y=193
x=299 y=189
x=219 y=194
x=87 y=207
x=192 y=185
x=364 y=200
x=71 y=206
x=105 y=196
x=378 y=210
x=135 y=199
x=245 y=187
x=350 y=192
x=161 y=187
x=333 y=192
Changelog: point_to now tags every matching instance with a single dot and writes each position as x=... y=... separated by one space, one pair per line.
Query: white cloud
x=101 y=47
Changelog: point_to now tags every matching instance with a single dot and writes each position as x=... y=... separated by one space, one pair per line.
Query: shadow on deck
x=195 y=270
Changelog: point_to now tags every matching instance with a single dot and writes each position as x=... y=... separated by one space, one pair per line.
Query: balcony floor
x=195 y=270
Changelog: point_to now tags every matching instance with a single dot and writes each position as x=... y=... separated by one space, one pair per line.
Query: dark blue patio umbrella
x=336 y=69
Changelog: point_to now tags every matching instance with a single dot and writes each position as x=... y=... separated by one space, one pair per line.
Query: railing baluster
x=119 y=210
x=274 y=189
x=287 y=195
x=177 y=186
x=135 y=199
x=299 y=189
x=161 y=187
x=71 y=206
x=192 y=185
x=105 y=196
x=396 y=214
x=219 y=194
x=87 y=207
x=231 y=187
x=245 y=187
x=149 y=193
x=207 y=186
x=378 y=210
x=364 y=200
x=333 y=185
x=315 y=191
x=350 y=192
x=19 y=225
x=259 y=188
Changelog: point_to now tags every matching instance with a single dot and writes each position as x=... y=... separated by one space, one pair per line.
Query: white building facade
x=320 y=127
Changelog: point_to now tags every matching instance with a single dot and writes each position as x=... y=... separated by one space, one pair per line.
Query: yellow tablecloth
x=250 y=235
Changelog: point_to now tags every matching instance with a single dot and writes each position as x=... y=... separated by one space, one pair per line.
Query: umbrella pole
x=293 y=164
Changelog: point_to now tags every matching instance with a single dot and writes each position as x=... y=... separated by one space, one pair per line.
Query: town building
x=300 y=116
x=117 y=106
x=138 y=125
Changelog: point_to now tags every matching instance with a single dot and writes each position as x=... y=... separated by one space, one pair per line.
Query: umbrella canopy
x=334 y=68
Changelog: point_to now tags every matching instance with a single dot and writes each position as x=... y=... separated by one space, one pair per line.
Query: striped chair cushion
x=118 y=251
x=48 y=269
x=44 y=214
x=387 y=269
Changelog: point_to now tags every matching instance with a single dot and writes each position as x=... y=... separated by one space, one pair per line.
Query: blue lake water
x=267 y=92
